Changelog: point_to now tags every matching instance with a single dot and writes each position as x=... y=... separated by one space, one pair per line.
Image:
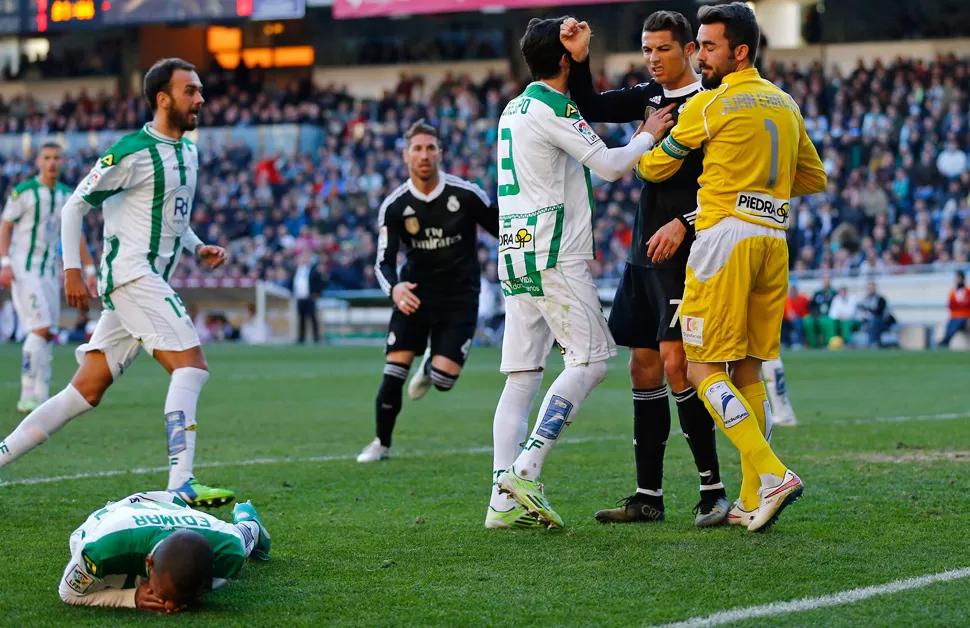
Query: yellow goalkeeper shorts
x=734 y=296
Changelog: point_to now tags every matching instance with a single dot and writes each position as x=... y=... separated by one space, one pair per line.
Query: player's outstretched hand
x=146 y=600
x=666 y=241
x=659 y=122
x=575 y=35
x=404 y=298
x=6 y=277
x=212 y=256
x=75 y=289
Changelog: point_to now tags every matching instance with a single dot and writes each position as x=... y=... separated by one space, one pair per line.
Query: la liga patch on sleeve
x=586 y=131
x=79 y=581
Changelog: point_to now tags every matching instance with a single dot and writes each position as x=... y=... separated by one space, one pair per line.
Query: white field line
x=850 y=596
x=416 y=454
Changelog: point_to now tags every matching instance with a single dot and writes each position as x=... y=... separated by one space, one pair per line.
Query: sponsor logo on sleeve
x=586 y=131
x=89 y=183
x=692 y=330
x=79 y=581
x=764 y=207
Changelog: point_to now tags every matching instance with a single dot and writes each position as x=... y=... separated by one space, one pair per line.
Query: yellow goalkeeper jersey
x=757 y=155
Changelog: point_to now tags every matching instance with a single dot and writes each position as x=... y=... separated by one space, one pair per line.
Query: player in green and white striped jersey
x=151 y=551
x=145 y=184
x=545 y=154
x=28 y=266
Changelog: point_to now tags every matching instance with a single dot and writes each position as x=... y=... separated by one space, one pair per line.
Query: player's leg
x=634 y=323
x=525 y=347
x=452 y=333
x=406 y=336
x=153 y=313
x=782 y=412
x=569 y=302
x=252 y=532
x=102 y=360
x=33 y=310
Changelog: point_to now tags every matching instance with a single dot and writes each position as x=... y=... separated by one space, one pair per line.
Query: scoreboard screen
x=39 y=16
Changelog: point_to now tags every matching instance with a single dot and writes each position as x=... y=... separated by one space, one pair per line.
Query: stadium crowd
x=894 y=140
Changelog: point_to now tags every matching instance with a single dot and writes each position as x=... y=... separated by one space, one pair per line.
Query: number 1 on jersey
x=772 y=129
x=509 y=189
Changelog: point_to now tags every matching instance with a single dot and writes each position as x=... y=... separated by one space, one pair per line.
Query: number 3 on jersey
x=507 y=164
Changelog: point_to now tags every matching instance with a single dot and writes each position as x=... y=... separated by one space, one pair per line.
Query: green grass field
x=883 y=448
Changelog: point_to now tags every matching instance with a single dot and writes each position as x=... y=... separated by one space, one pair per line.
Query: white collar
x=549 y=87
x=435 y=193
x=683 y=91
x=159 y=136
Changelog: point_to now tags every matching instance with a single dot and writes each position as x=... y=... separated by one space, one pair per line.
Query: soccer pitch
x=883 y=448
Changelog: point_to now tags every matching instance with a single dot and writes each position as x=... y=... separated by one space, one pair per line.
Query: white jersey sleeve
x=573 y=135
x=14 y=208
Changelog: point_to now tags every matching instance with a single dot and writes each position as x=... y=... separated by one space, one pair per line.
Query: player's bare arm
x=6 y=270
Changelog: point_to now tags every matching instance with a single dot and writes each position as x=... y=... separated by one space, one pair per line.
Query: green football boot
x=199 y=495
x=515 y=517
x=26 y=406
x=529 y=493
x=246 y=512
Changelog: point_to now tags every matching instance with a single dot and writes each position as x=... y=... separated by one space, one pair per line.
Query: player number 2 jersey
x=145 y=184
x=545 y=195
x=35 y=210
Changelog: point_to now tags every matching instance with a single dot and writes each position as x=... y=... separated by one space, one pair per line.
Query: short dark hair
x=421 y=127
x=542 y=48
x=53 y=145
x=159 y=78
x=740 y=25
x=186 y=556
x=672 y=21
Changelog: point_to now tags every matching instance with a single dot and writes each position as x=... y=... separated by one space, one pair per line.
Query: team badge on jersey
x=411 y=221
x=649 y=111
x=453 y=204
x=586 y=131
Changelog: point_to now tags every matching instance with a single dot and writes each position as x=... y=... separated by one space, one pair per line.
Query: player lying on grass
x=545 y=196
x=145 y=184
x=645 y=309
x=151 y=551
x=737 y=271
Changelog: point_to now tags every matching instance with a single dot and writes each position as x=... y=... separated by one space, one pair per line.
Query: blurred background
x=307 y=101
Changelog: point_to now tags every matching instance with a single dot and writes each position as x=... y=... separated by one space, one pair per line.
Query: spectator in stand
x=874 y=311
x=959 y=305
x=306 y=284
x=843 y=313
x=796 y=310
x=819 y=326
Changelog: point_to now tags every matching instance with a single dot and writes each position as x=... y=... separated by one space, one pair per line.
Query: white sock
x=42 y=383
x=34 y=352
x=51 y=416
x=773 y=372
x=510 y=427
x=180 y=405
x=558 y=410
x=249 y=530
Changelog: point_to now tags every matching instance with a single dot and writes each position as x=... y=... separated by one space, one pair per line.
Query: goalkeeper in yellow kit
x=757 y=156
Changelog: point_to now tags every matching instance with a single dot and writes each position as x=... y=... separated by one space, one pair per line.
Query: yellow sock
x=735 y=416
x=757 y=397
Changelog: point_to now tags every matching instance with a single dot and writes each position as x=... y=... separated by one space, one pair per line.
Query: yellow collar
x=746 y=74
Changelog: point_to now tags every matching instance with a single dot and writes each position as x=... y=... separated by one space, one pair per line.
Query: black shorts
x=645 y=307
x=450 y=327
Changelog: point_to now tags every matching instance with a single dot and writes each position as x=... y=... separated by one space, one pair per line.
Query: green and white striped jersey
x=145 y=184
x=35 y=210
x=545 y=195
x=109 y=550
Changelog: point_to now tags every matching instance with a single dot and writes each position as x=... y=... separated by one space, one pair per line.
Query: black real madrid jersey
x=438 y=233
x=675 y=198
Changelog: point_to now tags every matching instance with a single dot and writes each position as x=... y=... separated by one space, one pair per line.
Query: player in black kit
x=434 y=217
x=645 y=312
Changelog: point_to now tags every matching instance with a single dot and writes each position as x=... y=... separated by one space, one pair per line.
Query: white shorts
x=37 y=301
x=145 y=313
x=563 y=305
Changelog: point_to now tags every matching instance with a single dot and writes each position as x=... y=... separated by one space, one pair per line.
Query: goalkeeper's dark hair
x=187 y=558
x=672 y=21
x=420 y=128
x=542 y=48
x=740 y=25
x=159 y=79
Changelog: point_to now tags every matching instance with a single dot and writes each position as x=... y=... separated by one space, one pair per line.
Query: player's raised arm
x=810 y=177
x=574 y=135
x=689 y=134
x=618 y=105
